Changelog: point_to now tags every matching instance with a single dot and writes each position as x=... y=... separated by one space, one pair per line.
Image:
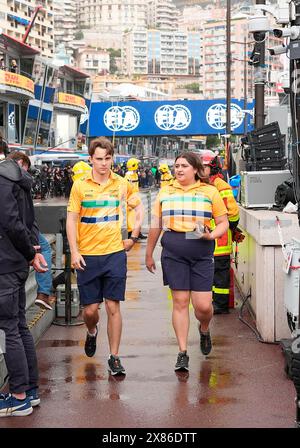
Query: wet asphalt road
x=240 y=384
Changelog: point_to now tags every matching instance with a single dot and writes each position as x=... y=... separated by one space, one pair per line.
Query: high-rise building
x=162 y=14
x=193 y=17
x=106 y=16
x=215 y=65
x=15 y=16
x=183 y=3
x=65 y=23
x=164 y=53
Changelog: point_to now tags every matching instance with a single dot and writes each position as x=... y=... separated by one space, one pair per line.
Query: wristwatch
x=134 y=238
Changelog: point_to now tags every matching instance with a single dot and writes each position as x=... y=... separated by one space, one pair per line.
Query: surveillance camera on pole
x=279 y=49
x=259 y=26
x=284 y=80
x=282 y=12
x=293 y=32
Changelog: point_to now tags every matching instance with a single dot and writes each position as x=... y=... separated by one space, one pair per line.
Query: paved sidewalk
x=240 y=384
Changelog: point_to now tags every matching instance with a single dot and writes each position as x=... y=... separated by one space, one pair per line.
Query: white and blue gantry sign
x=137 y=118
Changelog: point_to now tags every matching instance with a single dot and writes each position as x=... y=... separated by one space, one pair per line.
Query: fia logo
x=84 y=117
x=169 y=117
x=11 y=120
x=216 y=116
x=121 y=118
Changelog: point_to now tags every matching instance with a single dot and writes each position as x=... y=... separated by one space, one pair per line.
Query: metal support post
x=245 y=84
x=68 y=282
x=149 y=207
x=228 y=86
x=259 y=82
x=58 y=251
x=295 y=112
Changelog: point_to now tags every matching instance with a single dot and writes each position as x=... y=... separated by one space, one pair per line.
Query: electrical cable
x=295 y=104
x=294 y=123
x=240 y=316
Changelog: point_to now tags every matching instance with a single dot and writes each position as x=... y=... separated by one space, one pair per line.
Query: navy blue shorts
x=187 y=264
x=104 y=277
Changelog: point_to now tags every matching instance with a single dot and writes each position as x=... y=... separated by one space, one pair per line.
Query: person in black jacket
x=3 y=147
x=18 y=249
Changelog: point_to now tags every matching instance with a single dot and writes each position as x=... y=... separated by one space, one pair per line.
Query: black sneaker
x=182 y=361
x=115 y=366
x=142 y=237
x=205 y=342
x=91 y=344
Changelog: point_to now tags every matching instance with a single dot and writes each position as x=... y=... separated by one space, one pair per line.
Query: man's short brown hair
x=18 y=155
x=101 y=142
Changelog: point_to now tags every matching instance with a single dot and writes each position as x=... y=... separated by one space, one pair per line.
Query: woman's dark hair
x=194 y=160
x=101 y=142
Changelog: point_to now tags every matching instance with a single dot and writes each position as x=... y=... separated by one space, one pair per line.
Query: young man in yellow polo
x=98 y=252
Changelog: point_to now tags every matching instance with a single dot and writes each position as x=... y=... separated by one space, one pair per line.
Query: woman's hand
x=207 y=234
x=150 y=264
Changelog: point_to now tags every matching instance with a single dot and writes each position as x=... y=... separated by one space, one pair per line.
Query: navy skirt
x=187 y=264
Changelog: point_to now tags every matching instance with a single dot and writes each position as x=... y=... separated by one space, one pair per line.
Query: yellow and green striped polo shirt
x=100 y=213
x=182 y=208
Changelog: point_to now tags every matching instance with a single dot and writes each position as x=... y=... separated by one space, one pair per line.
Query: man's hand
x=39 y=263
x=150 y=264
x=77 y=261
x=128 y=244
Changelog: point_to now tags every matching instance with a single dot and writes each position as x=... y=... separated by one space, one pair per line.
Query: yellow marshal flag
x=72 y=100
x=15 y=80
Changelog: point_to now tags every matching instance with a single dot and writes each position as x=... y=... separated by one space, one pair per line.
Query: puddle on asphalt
x=134 y=265
x=72 y=369
x=217 y=400
x=214 y=376
x=212 y=379
x=133 y=295
x=114 y=397
x=221 y=341
x=58 y=343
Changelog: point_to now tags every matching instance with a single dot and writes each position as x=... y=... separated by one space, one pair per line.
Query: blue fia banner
x=137 y=118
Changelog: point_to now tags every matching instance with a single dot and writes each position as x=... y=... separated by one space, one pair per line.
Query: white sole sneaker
x=12 y=412
x=35 y=402
x=42 y=304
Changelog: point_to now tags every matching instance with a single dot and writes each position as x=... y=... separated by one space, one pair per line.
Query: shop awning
x=8 y=43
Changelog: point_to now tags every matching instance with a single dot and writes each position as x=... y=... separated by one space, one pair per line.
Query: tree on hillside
x=194 y=87
x=79 y=35
x=113 y=54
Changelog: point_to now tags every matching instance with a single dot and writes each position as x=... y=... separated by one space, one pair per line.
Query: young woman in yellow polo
x=98 y=252
x=183 y=210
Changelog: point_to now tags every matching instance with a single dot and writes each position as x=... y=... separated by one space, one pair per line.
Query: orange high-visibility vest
x=223 y=245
